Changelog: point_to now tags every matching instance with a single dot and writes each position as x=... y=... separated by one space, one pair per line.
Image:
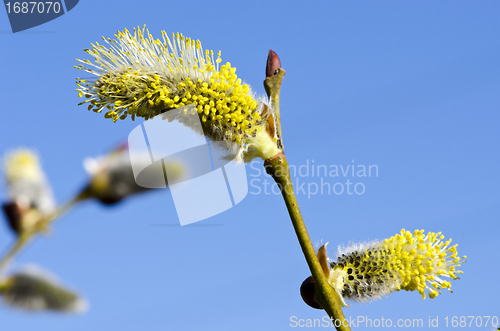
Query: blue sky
x=411 y=87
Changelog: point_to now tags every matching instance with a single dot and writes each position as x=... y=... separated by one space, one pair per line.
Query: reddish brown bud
x=273 y=64
x=308 y=292
x=13 y=214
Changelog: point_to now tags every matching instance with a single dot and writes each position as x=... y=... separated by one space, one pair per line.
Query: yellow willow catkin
x=26 y=181
x=407 y=261
x=36 y=290
x=140 y=76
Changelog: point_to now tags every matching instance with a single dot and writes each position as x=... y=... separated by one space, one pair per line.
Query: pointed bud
x=273 y=63
x=323 y=260
x=14 y=214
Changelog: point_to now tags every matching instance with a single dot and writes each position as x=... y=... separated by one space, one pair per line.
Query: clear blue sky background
x=409 y=86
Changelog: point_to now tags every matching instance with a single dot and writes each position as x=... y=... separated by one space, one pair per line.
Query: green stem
x=26 y=236
x=277 y=167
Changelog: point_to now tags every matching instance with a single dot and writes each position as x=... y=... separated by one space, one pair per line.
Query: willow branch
x=277 y=167
x=41 y=225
